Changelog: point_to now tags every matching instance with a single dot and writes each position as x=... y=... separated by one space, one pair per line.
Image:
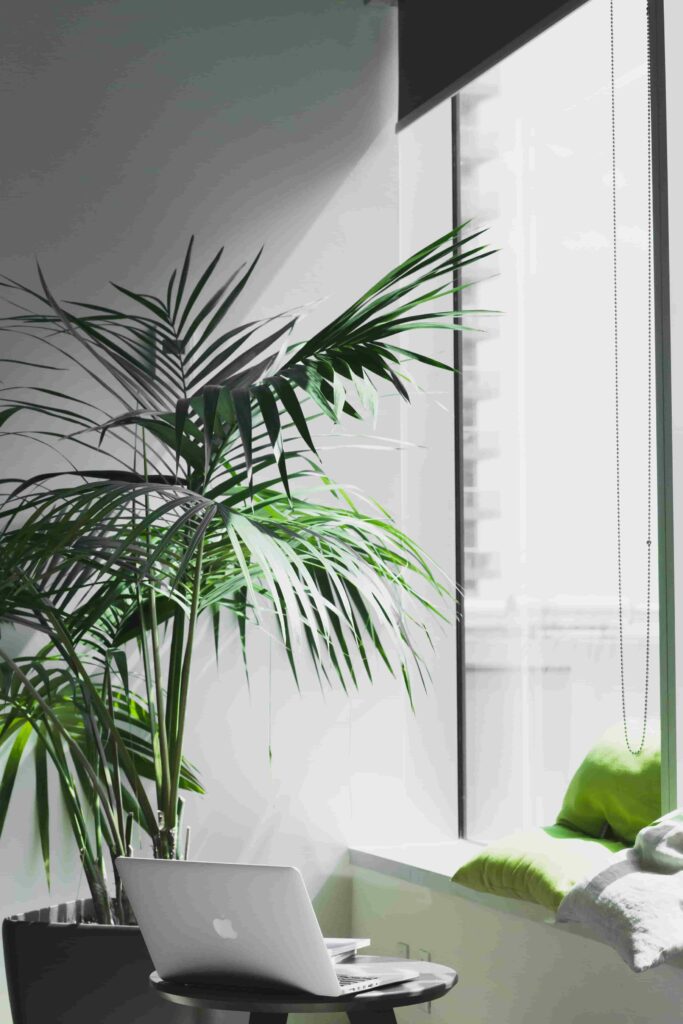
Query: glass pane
x=542 y=650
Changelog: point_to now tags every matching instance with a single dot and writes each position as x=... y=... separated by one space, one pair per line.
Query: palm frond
x=191 y=484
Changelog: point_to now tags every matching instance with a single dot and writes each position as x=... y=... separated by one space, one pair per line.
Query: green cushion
x=614 y=789
x=540 y=866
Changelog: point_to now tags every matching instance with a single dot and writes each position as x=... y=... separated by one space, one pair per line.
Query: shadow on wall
x=124 y=130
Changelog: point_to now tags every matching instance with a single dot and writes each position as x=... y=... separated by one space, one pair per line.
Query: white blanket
x=636 y=903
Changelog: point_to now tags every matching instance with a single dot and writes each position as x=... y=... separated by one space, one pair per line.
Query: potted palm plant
x=190 y=486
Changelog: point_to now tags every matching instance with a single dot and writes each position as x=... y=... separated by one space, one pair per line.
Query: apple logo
x=223 y=927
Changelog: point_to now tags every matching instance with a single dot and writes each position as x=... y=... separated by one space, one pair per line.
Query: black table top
x=434 y=981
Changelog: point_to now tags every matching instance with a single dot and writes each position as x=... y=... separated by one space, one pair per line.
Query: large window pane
x=542 y=653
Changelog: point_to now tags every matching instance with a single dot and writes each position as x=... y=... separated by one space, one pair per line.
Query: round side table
x=267 y=1006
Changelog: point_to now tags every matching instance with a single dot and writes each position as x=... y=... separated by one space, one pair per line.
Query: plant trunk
x=100 y=897
x=124 y=910
x=164 y=844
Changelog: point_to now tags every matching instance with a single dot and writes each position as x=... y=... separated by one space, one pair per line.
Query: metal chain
x=615 y=282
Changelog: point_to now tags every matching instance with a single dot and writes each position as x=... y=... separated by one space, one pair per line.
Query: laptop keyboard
x=353 y=981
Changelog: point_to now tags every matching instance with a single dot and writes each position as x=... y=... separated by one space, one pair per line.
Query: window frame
x=664 y=436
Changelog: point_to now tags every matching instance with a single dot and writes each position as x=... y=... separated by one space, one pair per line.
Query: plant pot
x=63 y=971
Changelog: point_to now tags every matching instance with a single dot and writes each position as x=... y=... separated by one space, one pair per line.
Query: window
x=538 y=529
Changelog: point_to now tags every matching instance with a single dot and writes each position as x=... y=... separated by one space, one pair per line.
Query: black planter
x=60 y=971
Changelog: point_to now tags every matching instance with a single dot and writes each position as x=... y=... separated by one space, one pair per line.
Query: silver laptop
x=239 y=924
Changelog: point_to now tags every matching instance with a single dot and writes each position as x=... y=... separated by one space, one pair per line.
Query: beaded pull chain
x=641 y=744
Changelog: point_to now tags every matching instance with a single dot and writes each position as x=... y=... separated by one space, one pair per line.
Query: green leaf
x=182 y=280
x=232 y=374
x=210 y=396
x=43 y=805
x=169 y=292
x=181 y=411
x=225 y=305
x=153 y=305
x=216 y=623
x=7 y=412
x=242 y=403
x=271 y=418
x=287 y=396
x=9 y=775
x=121 y=662
x=197 y=291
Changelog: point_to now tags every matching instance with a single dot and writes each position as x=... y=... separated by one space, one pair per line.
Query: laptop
x=246 y=925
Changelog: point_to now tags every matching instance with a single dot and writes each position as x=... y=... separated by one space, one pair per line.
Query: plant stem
x=115 y=764
x=160 y=703
x=63 y=643
x=94 y=875
x=184 y=687
x=98 y=753
x=147 y=671
x=124 y=910
x=174 y=672
x=73 y=746
x=165 y=781
x=98 y=890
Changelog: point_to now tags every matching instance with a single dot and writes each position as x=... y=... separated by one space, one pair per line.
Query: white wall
x=125 y=127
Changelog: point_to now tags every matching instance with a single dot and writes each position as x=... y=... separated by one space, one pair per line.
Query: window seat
x=613 y=796
x=432 y=865
x=536 y=867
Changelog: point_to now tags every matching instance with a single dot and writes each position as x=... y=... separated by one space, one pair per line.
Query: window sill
x=432 y=865
x=428 y=864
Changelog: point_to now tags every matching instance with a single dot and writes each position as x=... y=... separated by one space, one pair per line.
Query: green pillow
x=539 y=866
x=614 y=790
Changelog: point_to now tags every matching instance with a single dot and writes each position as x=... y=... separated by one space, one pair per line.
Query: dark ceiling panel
x=444 y=44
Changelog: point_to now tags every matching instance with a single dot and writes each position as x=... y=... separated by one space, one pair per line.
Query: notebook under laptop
x=239 y=924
